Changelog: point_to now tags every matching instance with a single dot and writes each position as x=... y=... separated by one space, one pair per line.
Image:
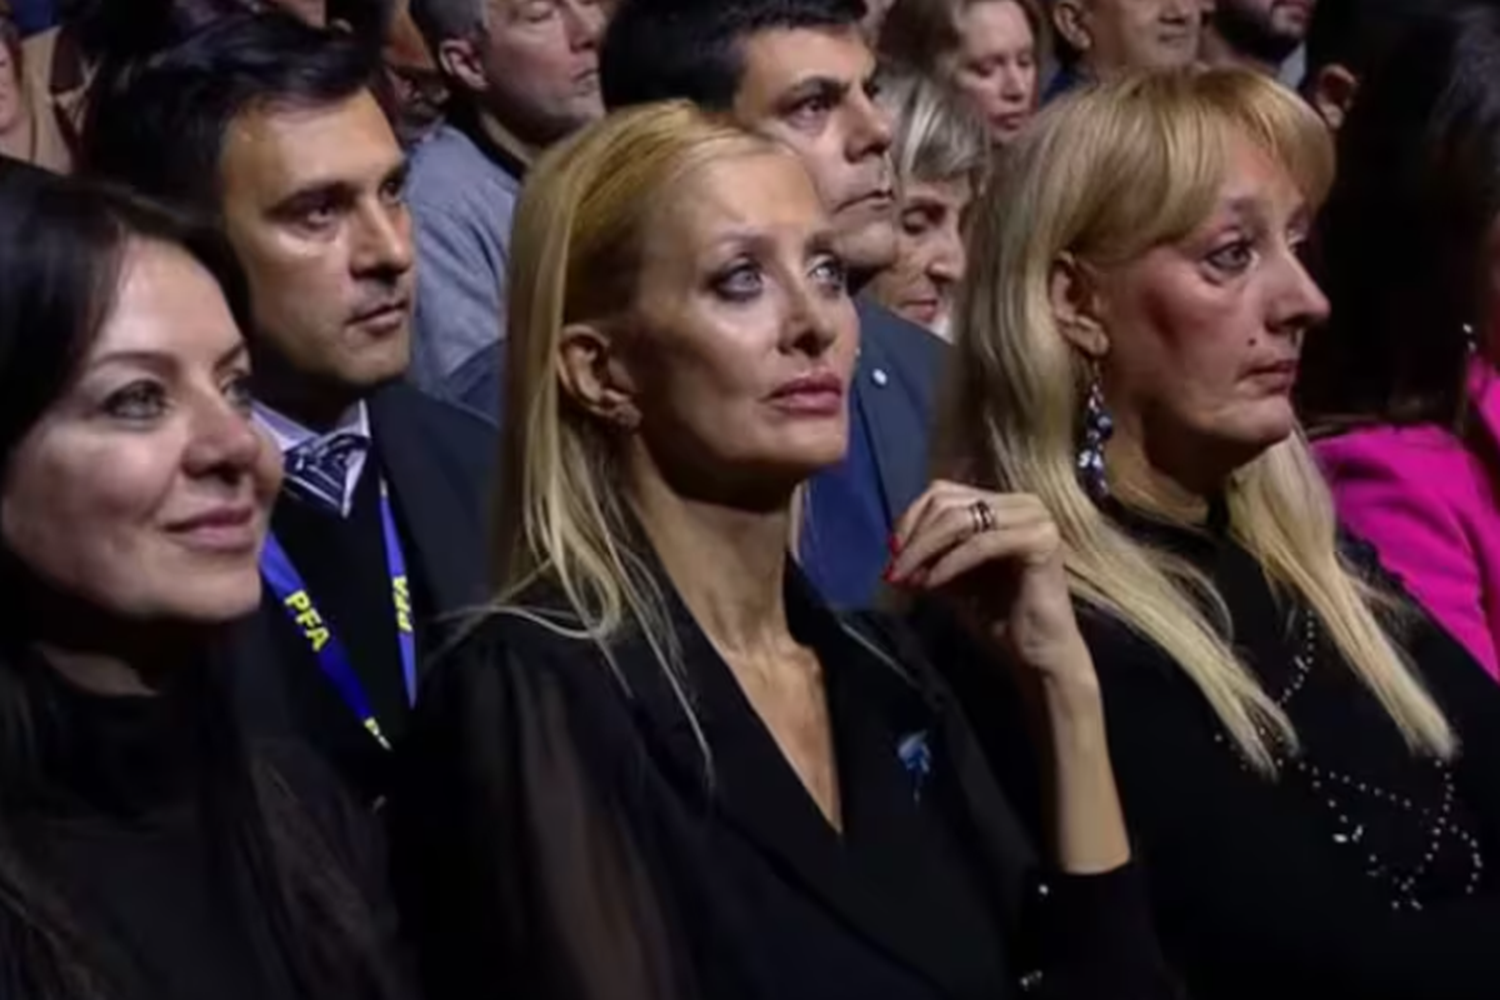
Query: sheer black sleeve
x=353 y=842
x=517 y=869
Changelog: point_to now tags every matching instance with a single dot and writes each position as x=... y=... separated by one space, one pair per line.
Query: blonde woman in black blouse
x=1310 y=769
x=659 y=767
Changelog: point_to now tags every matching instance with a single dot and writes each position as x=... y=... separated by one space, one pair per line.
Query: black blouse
x=116 y=829
x=1364 y=872
x=561 y=835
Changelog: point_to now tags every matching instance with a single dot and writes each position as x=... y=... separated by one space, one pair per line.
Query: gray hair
x=938 y=137
x=440 y=20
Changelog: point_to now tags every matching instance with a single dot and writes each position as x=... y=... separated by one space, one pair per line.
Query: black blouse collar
x=127 y=756
x=1198 y=543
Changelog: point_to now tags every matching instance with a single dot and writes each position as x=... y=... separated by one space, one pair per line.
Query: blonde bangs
x=1284 y=126
x=1148 y=154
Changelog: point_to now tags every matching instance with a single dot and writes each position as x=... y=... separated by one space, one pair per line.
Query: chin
x=211 y=601
x=1260 y=432
x=806 y=458
x=870 y=247
x=389 y=366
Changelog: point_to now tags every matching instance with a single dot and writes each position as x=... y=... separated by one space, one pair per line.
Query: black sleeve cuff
x=1093 y=938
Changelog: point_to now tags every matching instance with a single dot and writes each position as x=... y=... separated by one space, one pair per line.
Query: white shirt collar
x=289 y=434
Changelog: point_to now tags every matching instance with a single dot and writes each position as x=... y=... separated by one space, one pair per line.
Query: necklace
x=1341 y=793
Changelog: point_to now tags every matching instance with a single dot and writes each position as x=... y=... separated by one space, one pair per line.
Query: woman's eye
x=739 y=283
x=916 y=222
x=1234 y=258
x=831 y=273
x=239 y=393
x=137 y=401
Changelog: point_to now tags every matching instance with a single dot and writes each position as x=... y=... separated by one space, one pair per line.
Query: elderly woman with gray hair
x=942 y=154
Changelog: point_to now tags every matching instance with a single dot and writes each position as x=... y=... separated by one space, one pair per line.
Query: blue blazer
x=894 y=394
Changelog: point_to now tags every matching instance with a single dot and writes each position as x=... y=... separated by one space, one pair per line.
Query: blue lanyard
x=287 y=584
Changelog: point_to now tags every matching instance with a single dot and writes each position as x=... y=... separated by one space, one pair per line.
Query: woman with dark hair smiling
x=1402 y=383
x=145 y=852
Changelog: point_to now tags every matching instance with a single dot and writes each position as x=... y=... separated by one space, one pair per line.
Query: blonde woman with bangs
x=659 y=768
x=1310 y=769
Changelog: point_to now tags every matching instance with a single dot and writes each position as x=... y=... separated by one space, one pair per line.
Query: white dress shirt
x=289 y=434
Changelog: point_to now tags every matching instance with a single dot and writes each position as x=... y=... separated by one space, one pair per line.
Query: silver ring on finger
x=983 y=516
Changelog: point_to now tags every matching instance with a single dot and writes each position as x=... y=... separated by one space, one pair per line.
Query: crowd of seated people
x=749 y=499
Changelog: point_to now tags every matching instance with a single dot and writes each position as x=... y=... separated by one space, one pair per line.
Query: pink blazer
x=1429 y=506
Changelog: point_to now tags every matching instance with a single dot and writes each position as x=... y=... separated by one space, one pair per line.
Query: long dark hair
x=62 y=247
x=1400 y=247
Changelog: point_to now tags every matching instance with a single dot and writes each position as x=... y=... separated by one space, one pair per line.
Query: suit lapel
x=893 y=410
x=754 y=791
x=439 y=520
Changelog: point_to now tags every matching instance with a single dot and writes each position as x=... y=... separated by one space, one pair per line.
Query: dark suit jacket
x=437 y=461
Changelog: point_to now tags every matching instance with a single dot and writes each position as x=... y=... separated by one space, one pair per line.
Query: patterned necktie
x=317 y=470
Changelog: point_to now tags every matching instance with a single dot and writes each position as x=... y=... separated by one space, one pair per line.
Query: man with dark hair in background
x=801 y=72
x=269 y=126
x=1258 y=34
x=522 y=74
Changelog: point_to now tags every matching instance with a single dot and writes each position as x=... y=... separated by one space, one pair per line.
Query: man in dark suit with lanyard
x=270 y=126
x=801 y=72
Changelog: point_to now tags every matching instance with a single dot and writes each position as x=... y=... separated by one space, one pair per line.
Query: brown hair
x=923 y=34
x=10 y=37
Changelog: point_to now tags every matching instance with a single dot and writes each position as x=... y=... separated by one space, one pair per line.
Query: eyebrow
x=161 y=360
x=340 y=189
x=398 y=174
x=1257 y=207
x=822 y=241
x=815 y=86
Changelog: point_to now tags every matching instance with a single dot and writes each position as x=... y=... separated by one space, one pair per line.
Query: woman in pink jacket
x=1402 y=388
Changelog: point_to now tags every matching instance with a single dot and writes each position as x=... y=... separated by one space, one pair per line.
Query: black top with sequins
x=1364 y=872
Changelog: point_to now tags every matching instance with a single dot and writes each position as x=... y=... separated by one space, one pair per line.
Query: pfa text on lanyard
x=290 y=590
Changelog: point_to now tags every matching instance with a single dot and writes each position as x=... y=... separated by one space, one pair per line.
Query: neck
x=1137 y=482
x=16 y=140
x=98 y=673
x=105 y=655
x=506 y=139
x=314 y=12
x=727 y=563
x=1217 y=52
x=319 y=408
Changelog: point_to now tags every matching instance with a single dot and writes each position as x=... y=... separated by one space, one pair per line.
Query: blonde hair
x=937 y=136
x=575 y=256
x=1106 y=175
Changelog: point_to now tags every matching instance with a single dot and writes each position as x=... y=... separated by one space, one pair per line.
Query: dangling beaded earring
x=1098 y=426
x=1471 y=339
